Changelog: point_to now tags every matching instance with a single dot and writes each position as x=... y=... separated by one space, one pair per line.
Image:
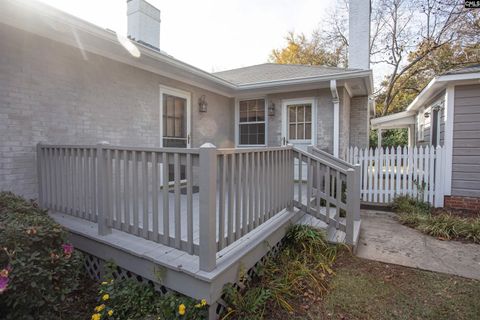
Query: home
x=182 y=177
x=447 y=113
x=64 y=80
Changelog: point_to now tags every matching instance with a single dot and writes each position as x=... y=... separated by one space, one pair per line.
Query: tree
x=301 y=50
x=415 y=40
x=414 y=37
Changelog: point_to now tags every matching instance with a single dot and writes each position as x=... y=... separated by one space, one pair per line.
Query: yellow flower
x=110 y=312
x=202 y=303
x=104 y=283
x=181 y=309
x=100 y=308
x=105 y=297
x=96 y=316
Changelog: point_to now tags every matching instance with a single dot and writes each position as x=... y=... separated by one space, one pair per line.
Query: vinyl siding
x=466 y=142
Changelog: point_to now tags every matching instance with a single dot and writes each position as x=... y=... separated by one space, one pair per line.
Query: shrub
x=41 y=268
x=445 y=225
x=126 y=299
x=300 y=269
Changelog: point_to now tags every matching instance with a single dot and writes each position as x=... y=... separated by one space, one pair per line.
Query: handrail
x=323 y=161
x=126 y=148
x=325 y=155
x=251 y=149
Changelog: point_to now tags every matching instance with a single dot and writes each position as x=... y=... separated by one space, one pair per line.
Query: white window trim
x=285 y=104
x=237 y=122
x=181 y=94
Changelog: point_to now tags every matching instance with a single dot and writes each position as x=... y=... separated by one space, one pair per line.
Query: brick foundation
x=458 y=202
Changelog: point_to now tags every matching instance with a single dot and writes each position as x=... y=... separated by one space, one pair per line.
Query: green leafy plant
x=248 y=304
x=39 y=267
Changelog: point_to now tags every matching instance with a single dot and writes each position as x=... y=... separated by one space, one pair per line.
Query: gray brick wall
x=50 y=93
x=359 y=120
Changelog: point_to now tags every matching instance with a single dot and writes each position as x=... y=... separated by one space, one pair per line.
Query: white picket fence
x=389 y=172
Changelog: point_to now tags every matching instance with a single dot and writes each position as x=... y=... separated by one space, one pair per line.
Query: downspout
x=336 y=117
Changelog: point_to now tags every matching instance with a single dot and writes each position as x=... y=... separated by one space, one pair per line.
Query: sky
x=212 y=35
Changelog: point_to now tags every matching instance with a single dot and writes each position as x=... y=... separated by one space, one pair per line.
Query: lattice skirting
x=95 y=268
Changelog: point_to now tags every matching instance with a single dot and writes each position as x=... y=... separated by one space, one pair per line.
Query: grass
x=363 y=289
x=443 y=225
x=310 y=279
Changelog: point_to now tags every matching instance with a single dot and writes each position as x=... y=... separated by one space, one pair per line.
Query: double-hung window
x=251 y=124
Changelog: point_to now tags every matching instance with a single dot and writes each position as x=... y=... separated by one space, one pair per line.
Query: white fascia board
x=440 y=83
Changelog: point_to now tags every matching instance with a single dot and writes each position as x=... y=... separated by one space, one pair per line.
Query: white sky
x=212 y=35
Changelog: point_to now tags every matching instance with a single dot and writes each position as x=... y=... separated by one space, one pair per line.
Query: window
x=300 y=122
x=251 y=122
x=174 y=121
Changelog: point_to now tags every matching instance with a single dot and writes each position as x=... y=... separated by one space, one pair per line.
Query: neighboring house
x=64 y=80
x=447 y=113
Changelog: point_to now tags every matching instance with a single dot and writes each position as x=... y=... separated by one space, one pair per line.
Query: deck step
x=333 y=235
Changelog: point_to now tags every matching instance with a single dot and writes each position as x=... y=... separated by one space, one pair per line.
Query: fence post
x=102 y=196
x=40 y=161
x=208 y=197
x=353 y=202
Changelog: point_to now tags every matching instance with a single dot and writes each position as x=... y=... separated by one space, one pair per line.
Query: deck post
x=39 y=175
x=291 y=177
x=102 y=196
x=353 y=202
x=207 y=199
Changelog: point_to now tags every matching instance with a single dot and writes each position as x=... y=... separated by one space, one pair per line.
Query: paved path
x=383 y=239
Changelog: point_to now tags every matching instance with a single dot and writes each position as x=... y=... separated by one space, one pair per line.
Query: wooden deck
x=207 y=226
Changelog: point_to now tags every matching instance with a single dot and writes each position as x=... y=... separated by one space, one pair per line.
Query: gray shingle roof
x=469 y=69
x=277 y=72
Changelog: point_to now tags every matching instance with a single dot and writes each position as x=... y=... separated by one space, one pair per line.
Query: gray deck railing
x=329 y=190
x=196 y=200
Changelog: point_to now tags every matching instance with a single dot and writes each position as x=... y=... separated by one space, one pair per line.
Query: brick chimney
x=143 y=23
x=359 y=34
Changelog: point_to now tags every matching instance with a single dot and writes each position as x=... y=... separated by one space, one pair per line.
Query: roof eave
x=439 y=83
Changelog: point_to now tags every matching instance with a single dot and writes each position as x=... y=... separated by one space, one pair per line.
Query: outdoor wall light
x=271 y=109
x=202 y=104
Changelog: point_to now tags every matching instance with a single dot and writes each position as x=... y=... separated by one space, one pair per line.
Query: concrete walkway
x=384 y=239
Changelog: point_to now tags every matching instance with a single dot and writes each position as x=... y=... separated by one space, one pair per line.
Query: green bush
x=445 y=225
x=39 y=267
x=128 y=299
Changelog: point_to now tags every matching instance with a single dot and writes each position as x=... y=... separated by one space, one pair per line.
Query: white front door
x=298 y=122
x=298 y=127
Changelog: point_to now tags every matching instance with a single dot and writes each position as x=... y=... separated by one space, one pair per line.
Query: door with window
x=298 y=125
x=174 y=122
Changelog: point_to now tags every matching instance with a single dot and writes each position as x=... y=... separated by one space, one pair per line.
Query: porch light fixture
x=271 y=109
x=202 y=104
